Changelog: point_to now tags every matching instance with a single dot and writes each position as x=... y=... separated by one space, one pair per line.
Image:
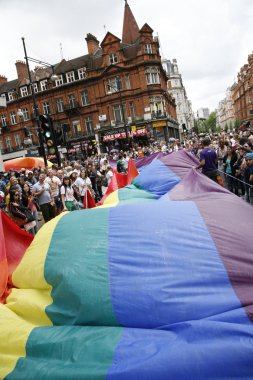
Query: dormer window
x=24 y=91
x=70 y=76
x=10 y=96
x=82 y=73
x=35 y=87
x=113 y=58
x=148 y=49
x=43 y=85
x=59 y=81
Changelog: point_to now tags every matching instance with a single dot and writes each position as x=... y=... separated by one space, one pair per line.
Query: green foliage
x=211 y=121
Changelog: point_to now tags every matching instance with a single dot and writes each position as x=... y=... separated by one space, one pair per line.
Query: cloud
x=209 y=39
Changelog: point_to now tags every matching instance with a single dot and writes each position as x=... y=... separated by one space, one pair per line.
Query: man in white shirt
x=42 y=191
x=54 y=183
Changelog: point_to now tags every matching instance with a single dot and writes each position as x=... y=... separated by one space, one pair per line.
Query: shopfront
x=116 y=139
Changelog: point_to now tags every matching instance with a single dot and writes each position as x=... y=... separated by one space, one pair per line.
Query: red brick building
x=119 y=87
x=242 y=94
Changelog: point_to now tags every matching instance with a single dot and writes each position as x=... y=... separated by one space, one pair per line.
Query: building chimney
x=21 y=70
x=92 y=43
x=3 y=79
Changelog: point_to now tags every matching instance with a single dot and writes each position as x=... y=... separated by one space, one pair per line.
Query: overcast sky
x=210 y=39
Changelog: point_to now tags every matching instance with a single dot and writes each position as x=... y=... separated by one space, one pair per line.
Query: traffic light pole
x=41 y=142
x=57 y=153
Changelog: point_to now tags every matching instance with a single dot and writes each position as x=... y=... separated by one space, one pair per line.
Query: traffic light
x=48 y=133
x=59 y=137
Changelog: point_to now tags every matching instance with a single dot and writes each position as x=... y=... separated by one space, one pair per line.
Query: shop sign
x=122 y=135
x=158 y=124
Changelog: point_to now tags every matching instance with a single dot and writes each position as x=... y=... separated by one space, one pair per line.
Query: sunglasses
x=16 y=195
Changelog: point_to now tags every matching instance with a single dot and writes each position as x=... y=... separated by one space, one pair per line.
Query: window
x=85 y=98
x=43 y=85
x=8 y=143
x=17 y=141
x=156 y=106
x=25 y=114
x=10 y=96
x=114 y=85
x=70 y=76
x=88 y=124
x=77 y=127
x=35 y=87
x=72 y=101
x=118 y=115
x=148 y=49
x=24 y=91
x=152 y=75
x=132 y=112
x=113 y=58
x=4 y=120
x=13 y=118
x=82 y=73
x=60 y=105
x=46 y=108
x=127 y=81
x=59 y=81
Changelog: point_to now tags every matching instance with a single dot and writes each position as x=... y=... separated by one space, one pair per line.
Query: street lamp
x=35 y=107
x=118 y=89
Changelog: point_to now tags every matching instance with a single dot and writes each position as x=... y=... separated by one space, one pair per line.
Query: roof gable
x=146 y=29
x=110 y=39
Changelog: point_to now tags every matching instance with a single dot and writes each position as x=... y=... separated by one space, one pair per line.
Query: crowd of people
x=26 y=195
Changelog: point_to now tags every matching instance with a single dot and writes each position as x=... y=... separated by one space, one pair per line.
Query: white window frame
x=72 y=101
x=13 y=118
x=152 y=75
x=4 y=120
x=82 y=73
x=35 y=87
x=127 y=81
x=46 y=108
x=60 y=105
x=112 y=85
x=17 y=139
x=8 y=143
x=70 y=76
x=10 y=96
x=148 y=49
x=89 y=126
x=43 y=85
x=113 y=58
x=24 y=91
x=25 y=114
x=59 y=81
x=117 y=110
x=85 y=98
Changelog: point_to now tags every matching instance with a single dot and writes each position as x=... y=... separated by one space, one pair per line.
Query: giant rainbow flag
x=155 y=284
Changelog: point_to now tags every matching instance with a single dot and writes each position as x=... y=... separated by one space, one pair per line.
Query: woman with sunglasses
x=18 y=212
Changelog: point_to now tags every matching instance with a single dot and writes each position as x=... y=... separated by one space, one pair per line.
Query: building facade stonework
x=242 y=94
x=225 y=111
x=119 y=85
x=177 y=90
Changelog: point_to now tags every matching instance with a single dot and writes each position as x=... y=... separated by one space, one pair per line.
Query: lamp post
x=118 y=89
x=35 y=107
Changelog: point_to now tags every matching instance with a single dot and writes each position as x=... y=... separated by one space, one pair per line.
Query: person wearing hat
x=249 y=177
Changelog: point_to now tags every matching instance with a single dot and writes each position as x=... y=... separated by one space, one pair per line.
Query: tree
x=211 y=121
